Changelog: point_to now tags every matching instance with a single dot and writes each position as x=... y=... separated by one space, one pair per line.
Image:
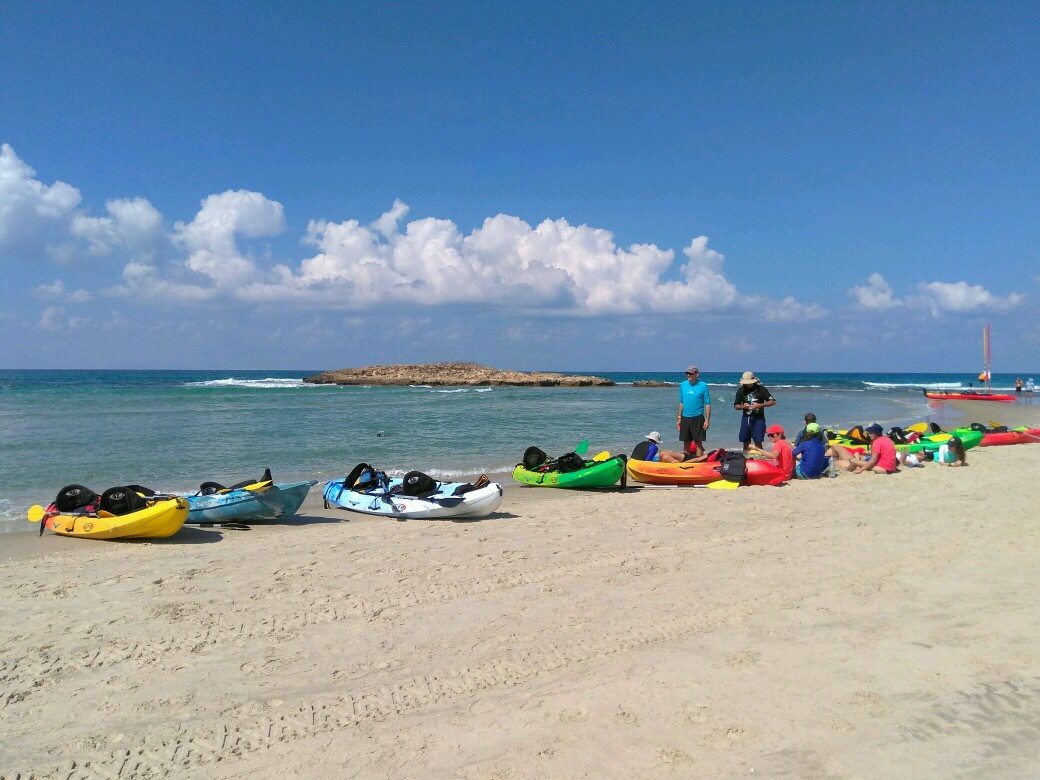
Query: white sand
x=855 y=627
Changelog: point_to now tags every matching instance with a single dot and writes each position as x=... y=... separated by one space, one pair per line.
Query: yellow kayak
x=158 y=520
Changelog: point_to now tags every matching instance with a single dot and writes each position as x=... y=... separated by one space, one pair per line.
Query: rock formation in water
x=455 y=374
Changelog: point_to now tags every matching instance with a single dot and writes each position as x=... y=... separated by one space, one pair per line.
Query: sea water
x=173 y=430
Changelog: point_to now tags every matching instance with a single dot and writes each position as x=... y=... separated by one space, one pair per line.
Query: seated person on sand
x=951 y=453
x=809 y=418
x=882 y=458
x=782 y=453
x=650 y=449
x=810 y=454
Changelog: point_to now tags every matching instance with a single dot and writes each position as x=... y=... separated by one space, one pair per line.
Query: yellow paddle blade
x=254 y=487
x=995 y=424
x=602 y=455
x=920 y=427
x=36 y=513
x=723 y=484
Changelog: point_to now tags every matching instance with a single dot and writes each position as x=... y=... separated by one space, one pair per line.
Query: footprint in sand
x=574 y=715
x=744 y=658
x=626 y=718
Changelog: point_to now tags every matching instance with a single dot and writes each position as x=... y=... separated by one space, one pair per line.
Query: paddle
x=37 y=514
x=920 y=427
x=723 y=484
x=582 y=448
x=601 y=456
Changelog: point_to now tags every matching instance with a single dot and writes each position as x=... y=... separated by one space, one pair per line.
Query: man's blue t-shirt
x=693 y=397
x=813 y=459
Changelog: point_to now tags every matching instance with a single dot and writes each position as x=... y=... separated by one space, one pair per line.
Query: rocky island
x=454 y=374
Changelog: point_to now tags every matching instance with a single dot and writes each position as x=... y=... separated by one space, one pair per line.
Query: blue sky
x=774 y=186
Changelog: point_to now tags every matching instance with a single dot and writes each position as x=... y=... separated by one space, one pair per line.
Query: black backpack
x=75 y=498
x=121 y=501
x=569 y=462
x=417 y=484
x=733 y=467
x=533 y=458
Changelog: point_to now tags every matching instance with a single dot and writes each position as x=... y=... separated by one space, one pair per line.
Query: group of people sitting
x=812 y=456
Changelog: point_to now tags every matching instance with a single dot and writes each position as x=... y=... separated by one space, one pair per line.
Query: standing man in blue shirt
x=694 y=412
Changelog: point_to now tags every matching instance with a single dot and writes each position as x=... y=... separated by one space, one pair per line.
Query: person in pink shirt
x=882 y=458
x=782 y=452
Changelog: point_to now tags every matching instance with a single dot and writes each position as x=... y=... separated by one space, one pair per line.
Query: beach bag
x=533 y=458
x=733 y=467
x=121 y=501
x=569 y=462
x=416 y=484
x=75 y=498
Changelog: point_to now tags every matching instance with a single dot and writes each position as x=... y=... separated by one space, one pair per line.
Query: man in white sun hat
x=751 y=401
x=650 y=449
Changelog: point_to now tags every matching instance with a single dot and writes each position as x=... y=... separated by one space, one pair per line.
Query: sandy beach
x=855 y=627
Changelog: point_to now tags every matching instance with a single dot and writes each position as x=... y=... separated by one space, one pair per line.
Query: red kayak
x=1028 y=436
x=967 y=395
x=759 y=472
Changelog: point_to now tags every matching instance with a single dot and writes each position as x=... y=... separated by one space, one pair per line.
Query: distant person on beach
x=882 y=458
x=951 y=453
x=694 y=411
x=650 y=449
x=782 y=453
x=1030 y=387
x=751 y=401
x=810 y=454
x=1018 y=389
x=809 y=419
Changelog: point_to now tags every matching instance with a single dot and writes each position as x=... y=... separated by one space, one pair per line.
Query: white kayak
x=449 y=500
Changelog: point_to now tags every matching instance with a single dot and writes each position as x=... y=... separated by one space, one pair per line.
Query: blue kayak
x=267 y=501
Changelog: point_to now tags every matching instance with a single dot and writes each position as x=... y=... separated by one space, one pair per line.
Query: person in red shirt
x=882 y=459
x=782 y=452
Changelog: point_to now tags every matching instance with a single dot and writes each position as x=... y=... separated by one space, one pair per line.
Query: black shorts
x=692 y=429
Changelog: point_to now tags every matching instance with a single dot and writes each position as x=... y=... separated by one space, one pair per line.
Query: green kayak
x=930 y=443
x=603 y=473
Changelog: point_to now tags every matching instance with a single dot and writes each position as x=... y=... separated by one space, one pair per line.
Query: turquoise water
x=176 y=429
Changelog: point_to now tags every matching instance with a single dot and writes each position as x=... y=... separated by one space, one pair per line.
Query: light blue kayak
x=280 y=499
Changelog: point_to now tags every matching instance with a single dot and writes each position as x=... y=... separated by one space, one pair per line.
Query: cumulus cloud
x=934 y=297
x=552 y=267
x=964 y=297
x=210 y=237
x=33 y=215
x=875 y=294
x=132 y=222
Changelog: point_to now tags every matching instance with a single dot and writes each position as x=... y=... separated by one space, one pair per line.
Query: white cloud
x=210 y=237
x=964 y=297
x=388 y=221
x=132 y=223
x=33 y=216
x=553 y=267
x=56 y=291
x=54 y=318
x=875 y=294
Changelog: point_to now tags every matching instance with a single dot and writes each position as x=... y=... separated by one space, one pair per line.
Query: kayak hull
x=162 y=519
x=654 y=473
x=279 y=500
x=933 y=395
x=596 y=475
x=480 y=502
